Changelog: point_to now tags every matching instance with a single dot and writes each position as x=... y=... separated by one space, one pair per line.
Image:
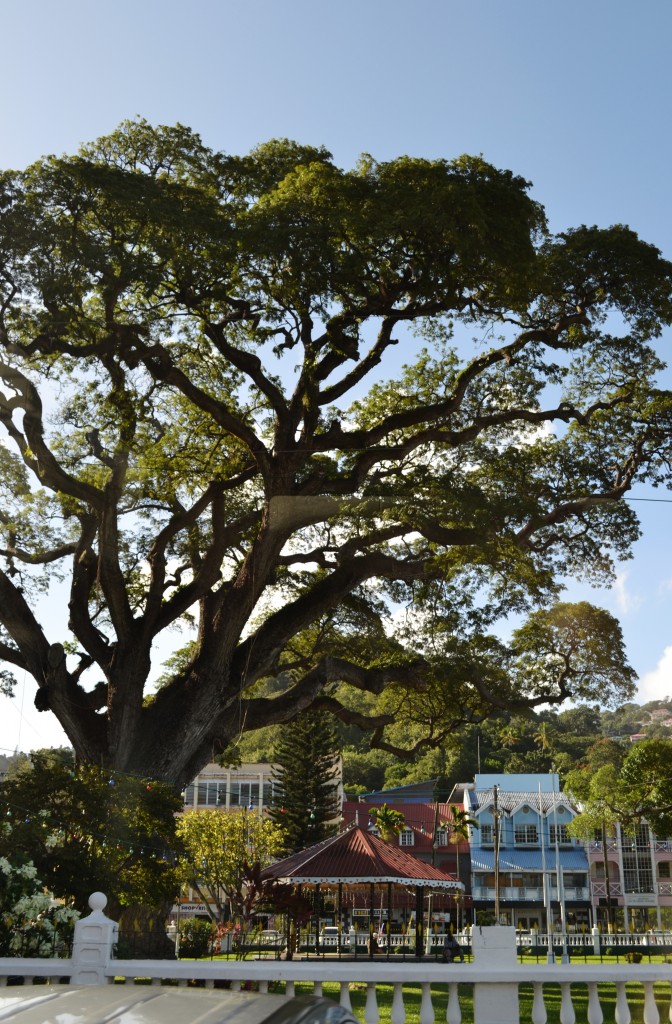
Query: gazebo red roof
x=355 y=856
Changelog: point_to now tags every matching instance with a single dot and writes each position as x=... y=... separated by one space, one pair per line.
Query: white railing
x=493 y=980
x=599 y=889
x=406 y=941
x=492 y=984
x=359 y=942
x=517 y=893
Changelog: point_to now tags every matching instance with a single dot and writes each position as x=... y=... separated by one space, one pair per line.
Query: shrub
x=33 y=922
x=195 y=938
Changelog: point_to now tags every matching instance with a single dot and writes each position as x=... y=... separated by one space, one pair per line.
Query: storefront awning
x=528 y=860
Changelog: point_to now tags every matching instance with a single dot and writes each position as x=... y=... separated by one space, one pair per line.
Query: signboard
x=189 y=909
x=363 y=912
x=640 y=899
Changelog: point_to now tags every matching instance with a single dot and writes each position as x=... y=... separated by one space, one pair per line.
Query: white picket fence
x=493 y=979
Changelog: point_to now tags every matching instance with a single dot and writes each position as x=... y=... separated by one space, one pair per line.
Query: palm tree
x=388 y=821
x=509 y=736
x=544 y=737
x=459 y=823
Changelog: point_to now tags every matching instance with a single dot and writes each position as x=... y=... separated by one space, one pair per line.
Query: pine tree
x=306 y=801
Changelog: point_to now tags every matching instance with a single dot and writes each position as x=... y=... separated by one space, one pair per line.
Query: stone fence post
x=93 y=945
x=494 y=950
x=595 y=932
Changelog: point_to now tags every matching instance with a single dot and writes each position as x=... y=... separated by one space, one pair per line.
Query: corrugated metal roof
x=508 y=801
x=355 y=856
x=528 y=860
x=418 y=817
x=123 y=1004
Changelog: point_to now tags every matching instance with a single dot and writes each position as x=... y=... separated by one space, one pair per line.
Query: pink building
x=636 y=876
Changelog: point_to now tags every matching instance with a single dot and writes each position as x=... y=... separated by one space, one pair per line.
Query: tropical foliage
x=34 y=923
x=387 y=821
x=335 y=425
x=86 y=830
x=220 y=847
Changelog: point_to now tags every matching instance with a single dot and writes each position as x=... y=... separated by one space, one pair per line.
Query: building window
x=637 y=868
x=531 y=880
x=487 y=834
x=441 y=838
x=637 y=873
x=559 y=834
x=244 y=793
x=407 y=837
x=211 y=794
x=641 y=838
x=526 y=834
x=664 y=869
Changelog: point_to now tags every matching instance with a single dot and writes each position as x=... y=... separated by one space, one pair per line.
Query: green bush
x=195 y=938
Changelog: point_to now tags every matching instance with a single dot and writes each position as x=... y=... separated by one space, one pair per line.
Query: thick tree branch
x=39 y=557
x=36 y=455
x=12 y=656
x=251 y=366
x=256 y=654
x=159 y=364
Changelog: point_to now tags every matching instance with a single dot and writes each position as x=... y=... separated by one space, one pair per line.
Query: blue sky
x=574 y=96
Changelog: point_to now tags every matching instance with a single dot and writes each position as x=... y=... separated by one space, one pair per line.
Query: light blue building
x=523 y=829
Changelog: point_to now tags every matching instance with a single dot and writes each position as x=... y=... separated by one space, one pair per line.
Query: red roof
x=355 y=856
x=420 y=818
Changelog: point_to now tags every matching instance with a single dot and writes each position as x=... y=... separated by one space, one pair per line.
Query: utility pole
x=558 y=876
x=495 y=813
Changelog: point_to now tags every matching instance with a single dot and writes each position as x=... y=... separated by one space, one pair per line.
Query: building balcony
x=529 y=894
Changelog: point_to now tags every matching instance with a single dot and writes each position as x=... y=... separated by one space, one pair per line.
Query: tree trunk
x=142 y=933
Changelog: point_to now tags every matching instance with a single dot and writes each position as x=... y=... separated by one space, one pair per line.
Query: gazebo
x=355 y=860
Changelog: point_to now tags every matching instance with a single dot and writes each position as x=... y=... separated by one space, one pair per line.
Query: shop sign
x=189 y=909
x=640 y=899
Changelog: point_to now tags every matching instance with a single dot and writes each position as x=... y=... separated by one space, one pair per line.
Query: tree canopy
x=626 y=786
x=335 y=425
x=86 y=830
x=221 y=847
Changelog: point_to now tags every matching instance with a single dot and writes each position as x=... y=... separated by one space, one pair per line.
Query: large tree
x=197 y=428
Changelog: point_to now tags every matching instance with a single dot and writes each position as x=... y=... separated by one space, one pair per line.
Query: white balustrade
x=493 y=980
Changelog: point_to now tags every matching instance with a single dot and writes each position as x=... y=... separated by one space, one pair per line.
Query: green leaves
x=86 y=829
x=573 y=650
x=610 y=269
x=634 y=788
x=388 y=822
x=190 y=341
x=219 y=847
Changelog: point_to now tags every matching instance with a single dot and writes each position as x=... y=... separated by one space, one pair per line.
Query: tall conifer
x=306 y=801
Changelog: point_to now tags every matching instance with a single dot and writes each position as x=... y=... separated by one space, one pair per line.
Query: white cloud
x=626 y=601
x=657 y=685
